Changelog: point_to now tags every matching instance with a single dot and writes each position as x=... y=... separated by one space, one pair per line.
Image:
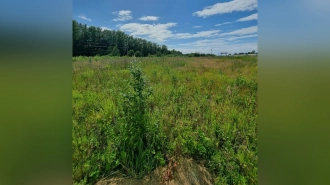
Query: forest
x=93 y=41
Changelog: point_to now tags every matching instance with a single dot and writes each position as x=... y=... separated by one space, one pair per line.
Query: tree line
x=197 y=54
x=92 y=41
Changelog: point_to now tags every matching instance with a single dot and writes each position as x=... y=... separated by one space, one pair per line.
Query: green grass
x=128 y=117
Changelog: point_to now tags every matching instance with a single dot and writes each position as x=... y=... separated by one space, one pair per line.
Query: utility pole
x=211 y=51
x=126 y=46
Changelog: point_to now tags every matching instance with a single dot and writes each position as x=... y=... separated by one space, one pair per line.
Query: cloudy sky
x=187 y=26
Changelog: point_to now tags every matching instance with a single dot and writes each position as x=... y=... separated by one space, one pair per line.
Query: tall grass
x=128 y=116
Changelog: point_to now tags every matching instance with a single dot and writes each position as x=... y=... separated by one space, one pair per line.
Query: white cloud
x=84 y=17
x=197 y=26
x=223 y=23
x=105 y=28
x=161 y=32
x=158 y=32
x=225 y=42
x=217 y=46
x=227 y=7
x=149 y=18
x=205 y=43
x=241 y=37
x=243 y=31
x=249 y=18
x=209 y=33
x=123 y=15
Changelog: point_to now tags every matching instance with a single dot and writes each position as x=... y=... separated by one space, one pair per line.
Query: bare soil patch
x=186 y=171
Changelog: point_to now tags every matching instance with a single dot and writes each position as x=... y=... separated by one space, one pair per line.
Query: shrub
x=130 y=53
x=137 y=53
x=140 y=140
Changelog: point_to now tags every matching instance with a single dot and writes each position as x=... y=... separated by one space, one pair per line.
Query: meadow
x=132 y=115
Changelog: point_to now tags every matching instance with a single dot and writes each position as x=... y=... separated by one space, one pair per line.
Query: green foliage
x=121 y=124
x=138 y=137
x=137 y=54
x=115 y=51
x=130 y=53
x=92 y=41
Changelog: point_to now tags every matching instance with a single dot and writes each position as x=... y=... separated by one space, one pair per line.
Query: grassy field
x=131 y=115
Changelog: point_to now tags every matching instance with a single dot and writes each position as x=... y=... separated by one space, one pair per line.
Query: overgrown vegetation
x=139 y=139
x=127 y=116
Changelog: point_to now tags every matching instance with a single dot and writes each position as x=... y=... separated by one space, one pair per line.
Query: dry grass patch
x=187 y=172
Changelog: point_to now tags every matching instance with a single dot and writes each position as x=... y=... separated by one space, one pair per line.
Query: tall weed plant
x=139 y=140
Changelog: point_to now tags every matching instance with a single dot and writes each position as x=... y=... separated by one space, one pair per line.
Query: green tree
x=164 y=49
x=137 y=53
x=130 y=52
x=91 y=41
x=115 y=51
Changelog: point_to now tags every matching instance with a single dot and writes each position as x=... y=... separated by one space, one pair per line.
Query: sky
x=187 y=26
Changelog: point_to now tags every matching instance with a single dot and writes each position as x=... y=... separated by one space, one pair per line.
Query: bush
x=130 y=53
x=158 y=54
x=115 y=51
x=137 y=53
x=140 y=140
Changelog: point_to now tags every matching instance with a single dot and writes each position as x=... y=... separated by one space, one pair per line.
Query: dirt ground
x=187 y=171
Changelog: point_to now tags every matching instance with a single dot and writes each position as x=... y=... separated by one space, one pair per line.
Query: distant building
x=223 y=53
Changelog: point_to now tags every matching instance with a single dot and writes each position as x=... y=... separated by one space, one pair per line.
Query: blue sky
x=187 y=26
